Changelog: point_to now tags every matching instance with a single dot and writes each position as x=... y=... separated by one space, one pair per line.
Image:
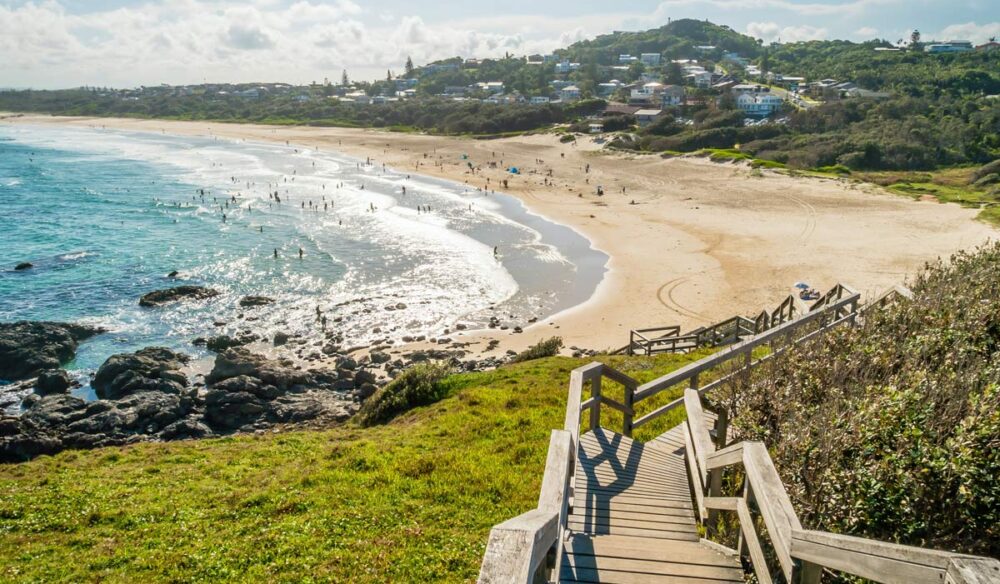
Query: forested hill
x=678 y=39
x=914 y=73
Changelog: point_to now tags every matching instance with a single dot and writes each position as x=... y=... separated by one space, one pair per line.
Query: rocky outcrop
x=146 y=396
x=175 y=294
x=249 y=391
x=250 y=301
x=150 y=369
x=24 y=266
x=27 y=347
x=53 y=382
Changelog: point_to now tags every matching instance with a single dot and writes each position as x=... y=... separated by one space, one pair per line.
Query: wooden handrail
x=651 y=388
x=802 y=553
x=517 y=548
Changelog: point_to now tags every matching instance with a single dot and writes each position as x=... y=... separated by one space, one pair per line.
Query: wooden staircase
x=632 y=520
x=615 y=510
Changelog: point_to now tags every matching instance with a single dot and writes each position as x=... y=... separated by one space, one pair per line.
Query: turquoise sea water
x=105 y=216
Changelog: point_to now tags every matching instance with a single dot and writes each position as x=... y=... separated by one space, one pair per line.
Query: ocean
x=105 y=216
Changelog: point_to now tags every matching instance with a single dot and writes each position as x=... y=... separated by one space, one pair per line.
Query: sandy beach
x=690 y=241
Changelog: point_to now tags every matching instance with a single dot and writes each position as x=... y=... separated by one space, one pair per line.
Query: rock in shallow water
x=26 y=347
x=152 y=368
x=249 y=301
x=158 y=297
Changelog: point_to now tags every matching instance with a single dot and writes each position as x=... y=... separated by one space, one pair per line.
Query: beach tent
x=513 y=170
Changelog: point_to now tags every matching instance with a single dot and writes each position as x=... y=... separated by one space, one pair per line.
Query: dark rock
x=53 y=381
x=172 y=274
x=152 y=368
x=54 y=411
x=24 y=266
x=248 y=301
x=29 y=347
x=239 y=361
x=362 y=377
x=347 y=363
x=185 y=429
x=247 y=384
x=21 y=440
x=280 y=338
x=231 y=410
x=158 y=297
x=378 y=357
x=220 y=343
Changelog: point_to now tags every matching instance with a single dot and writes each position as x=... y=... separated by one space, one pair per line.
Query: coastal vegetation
x=891 y=429
x=410 y=500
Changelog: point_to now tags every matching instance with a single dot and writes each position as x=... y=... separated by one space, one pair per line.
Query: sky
x=127 y=43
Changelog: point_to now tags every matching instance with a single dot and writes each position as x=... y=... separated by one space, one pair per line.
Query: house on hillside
x=701 y=79
x=645 y=117
x=439 y=67
x=626 y=59
x=564 y=66
x=758 y=104
x=540 y=100
x=672 y=95
x=607 y=89
x=571 y=93
x=990 y=46
x=948 y=47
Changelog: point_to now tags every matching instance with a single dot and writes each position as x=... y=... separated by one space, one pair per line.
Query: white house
x=565 y=66
x=702 y=79
x=758 y=104
x=539 y=100
x=626 y=59
x=571 y=93
x=651 y=59
x=949 y=47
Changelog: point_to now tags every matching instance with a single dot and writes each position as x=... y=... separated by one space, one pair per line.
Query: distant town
x=643 y=86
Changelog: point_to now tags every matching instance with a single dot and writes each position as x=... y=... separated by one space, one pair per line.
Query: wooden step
x=641 y=560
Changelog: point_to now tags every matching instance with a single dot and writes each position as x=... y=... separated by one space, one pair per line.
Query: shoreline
x=688 y=241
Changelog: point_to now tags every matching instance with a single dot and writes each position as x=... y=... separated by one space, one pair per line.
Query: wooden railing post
x=595 y=410
x=806 y=573
x=629 y=405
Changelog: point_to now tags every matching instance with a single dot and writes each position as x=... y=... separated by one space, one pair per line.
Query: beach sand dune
x=690 y=241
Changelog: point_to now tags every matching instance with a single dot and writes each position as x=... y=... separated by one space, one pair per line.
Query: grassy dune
x=409 y=501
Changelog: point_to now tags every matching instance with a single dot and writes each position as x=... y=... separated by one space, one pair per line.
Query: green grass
x=413 y=500
x=967 y=196
x=724 y=154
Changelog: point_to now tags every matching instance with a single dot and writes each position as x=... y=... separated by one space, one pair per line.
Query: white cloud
x=772 y=31
x=866 y=33
x=970 y=31
x=803 y=8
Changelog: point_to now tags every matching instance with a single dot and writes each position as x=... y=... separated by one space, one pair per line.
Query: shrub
x=419 y=385
x=566 y=138
x=547 y=348
x=891 y=429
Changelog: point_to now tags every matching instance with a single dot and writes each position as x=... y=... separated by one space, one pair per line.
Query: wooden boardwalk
x=632 y=519
x=618 y=511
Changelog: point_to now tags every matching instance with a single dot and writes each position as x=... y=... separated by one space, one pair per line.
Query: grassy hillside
x=409 y=501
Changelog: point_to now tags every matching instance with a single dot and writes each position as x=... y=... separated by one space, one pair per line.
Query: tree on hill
x=408 y=68
x=344 y=79
x=915 y=39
